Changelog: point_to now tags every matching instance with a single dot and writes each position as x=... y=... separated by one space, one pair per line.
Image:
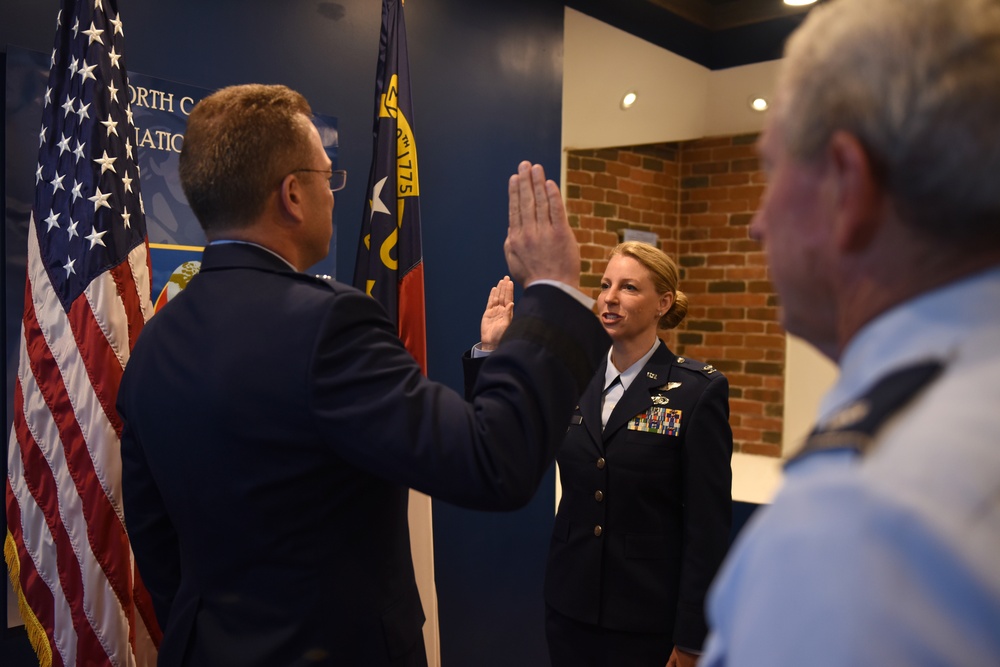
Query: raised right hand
x=498 y=314
x=540 y=244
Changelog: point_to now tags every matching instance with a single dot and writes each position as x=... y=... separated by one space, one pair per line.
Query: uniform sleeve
x=470 y=371
x=707 y=497
x=833 y=574
x=370 y=398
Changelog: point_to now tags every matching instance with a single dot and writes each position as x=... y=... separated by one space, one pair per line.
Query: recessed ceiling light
x=758 y=103
x=799 y=3
x=628 y=99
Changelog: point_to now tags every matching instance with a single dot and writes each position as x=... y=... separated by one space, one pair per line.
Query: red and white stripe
x=76 y=570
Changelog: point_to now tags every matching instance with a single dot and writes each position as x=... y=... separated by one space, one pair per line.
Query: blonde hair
x=665 y=276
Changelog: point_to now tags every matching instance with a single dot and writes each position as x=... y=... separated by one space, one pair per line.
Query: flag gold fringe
x=36 y=633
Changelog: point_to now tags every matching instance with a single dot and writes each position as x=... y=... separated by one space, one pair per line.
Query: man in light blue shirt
x=881 y=224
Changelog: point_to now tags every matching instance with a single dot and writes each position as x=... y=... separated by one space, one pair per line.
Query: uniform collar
x=240 y=254
x=223 y=242
x=630 y=373
x=931 y=326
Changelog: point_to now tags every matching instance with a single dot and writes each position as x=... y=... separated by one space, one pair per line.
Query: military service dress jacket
x=646 y=508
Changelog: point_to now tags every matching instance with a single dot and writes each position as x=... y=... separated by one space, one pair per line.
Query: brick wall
x=698 y=197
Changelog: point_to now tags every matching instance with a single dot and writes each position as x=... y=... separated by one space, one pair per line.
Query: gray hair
x=918 y=83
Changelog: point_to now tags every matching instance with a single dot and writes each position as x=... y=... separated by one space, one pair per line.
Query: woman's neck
x=626 y=353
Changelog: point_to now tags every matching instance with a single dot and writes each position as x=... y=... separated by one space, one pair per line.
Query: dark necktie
x=610 y=399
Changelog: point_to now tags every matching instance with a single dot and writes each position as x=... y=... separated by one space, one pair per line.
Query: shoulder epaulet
x=694 y=365
x=854 y=427
x=318 y=279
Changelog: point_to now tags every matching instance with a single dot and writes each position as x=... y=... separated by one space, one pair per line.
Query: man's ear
x=860 y=196
x=290 y=199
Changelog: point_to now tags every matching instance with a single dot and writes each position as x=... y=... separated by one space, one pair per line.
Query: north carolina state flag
x=389 y=265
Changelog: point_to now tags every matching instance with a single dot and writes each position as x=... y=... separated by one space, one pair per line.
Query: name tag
x=657 y=419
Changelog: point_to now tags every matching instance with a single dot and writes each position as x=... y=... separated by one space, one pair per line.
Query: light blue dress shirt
x=613 y=393
x=893 y=559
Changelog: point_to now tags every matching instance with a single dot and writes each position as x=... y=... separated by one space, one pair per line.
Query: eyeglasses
x=338 y=177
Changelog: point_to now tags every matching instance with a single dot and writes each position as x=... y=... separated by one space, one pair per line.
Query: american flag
x=86 y=300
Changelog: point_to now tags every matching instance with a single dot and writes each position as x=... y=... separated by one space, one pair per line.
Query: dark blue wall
x=487 y=90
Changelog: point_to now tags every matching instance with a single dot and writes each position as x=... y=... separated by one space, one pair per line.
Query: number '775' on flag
x=389 y=264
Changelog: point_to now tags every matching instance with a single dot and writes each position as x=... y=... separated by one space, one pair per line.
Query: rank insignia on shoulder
x=854 y=427
x=709 y=369
x=681 y=360
x=848 y=416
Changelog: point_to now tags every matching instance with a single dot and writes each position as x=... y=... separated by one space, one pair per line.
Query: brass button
x=597 y=531
x=598 y=495
x=600 y=463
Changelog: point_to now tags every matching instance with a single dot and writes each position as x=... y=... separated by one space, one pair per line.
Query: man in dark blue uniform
x=273 y=421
